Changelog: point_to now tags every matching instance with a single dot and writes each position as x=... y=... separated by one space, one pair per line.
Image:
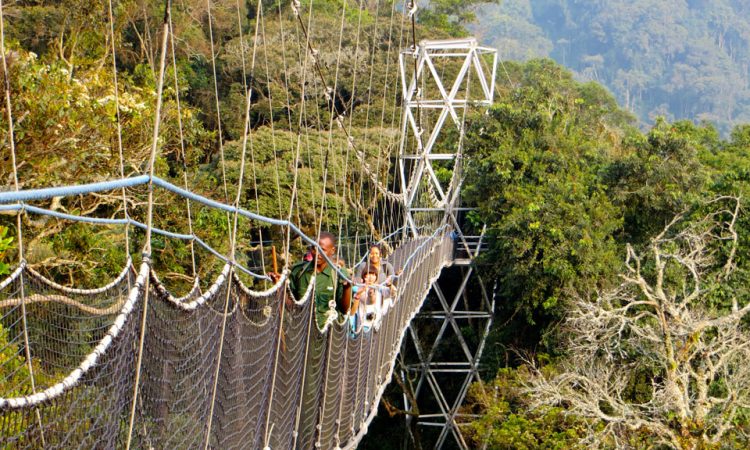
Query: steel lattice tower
x=441 y=80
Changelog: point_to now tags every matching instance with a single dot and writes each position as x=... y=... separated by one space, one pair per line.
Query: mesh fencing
x=228 y=368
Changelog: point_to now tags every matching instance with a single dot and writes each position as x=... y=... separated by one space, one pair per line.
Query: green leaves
x=532 y=170
x=5 y=245
x=563 y=182
x=508 y=422
x=450 y=15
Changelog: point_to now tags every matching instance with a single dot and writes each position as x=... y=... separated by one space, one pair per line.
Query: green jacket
x=327 y=284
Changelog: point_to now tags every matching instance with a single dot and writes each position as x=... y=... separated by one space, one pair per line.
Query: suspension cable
x=182 y=147
x=150 y=214
x=19 y=231
x=247 y=127
x=119 y=123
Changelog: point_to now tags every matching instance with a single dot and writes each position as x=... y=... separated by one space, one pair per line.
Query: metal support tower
x=440 y=81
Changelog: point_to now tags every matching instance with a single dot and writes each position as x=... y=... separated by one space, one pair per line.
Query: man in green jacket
x=329 y=285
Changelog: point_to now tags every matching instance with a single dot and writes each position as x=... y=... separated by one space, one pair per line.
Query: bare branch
x=659 y=325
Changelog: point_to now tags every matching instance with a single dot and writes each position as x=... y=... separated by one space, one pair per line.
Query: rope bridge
x=260 y=375
x=237 y=361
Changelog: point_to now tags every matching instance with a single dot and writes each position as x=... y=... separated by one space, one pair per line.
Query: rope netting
x=282 y=382
x=226 y=356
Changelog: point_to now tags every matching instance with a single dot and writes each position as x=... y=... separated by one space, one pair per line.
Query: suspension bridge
x=237 y=361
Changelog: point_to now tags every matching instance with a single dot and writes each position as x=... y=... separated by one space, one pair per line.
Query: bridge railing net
x=271 y=379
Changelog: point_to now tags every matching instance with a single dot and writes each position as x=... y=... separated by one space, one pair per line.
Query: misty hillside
x=681 y=59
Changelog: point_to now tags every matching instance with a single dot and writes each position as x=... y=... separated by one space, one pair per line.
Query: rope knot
x=412 y=8
x=295 y=7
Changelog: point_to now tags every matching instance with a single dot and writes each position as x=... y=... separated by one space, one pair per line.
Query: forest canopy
x=558 y=168
x=679 y=60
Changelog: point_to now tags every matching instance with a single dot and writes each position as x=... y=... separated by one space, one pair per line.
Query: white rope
x=331 y=313
x=10 y=278
x=150 y=216
x=70 y=290
x=62 y=299
x=182 y=148
x=74 y=377
x=307 y=295
x=412 y=9
x=261 y=294
x=270 y=103
x=326 y=372
x=247 y=126
x=396 y=98
x=303 y=84
x=373 y=232
x=182 y=302
x=310 y=324
x=233 y=229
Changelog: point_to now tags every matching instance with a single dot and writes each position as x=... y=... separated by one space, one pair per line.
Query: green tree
x=532 y=170
x=676 y=329
x=659 y=175
x=681 y=60
x=451 y=15
x=6 y=243
x=507 y=421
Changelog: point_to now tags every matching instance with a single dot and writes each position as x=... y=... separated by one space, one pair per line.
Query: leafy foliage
x=6 y=243
x=507 y=420
x=665 y=352
x=533 y=171
x=556 y=162
x=559 y=173
x=451 y=15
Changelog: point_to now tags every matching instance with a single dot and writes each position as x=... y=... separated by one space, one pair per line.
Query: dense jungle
x=614 y=190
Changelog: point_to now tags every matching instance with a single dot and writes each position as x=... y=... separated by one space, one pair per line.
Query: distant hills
x=681 y=59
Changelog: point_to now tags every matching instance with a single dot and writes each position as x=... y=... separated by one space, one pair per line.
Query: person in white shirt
x=368 y=300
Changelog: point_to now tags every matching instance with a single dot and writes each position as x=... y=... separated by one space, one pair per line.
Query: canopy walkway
x=237 y=361
x=255 y=376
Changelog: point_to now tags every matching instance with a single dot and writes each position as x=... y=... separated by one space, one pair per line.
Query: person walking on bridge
x=329 y=285
x=375 y=259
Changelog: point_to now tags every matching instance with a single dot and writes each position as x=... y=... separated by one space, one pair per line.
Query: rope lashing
x=295 y=7
x=413 y=7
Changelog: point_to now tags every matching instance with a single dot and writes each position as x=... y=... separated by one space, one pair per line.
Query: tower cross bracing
x=439 y=81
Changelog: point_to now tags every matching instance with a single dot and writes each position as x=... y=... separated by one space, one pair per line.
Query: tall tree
x=665 y=352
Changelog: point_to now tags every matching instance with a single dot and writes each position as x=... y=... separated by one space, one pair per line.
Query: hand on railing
x=274 y=276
